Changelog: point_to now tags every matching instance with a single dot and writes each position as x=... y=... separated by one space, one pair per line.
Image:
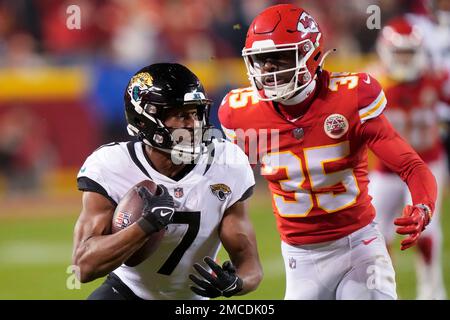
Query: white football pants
x=356 y=266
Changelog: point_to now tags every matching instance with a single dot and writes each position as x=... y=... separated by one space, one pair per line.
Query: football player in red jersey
x=414 y=94
x=318 y=127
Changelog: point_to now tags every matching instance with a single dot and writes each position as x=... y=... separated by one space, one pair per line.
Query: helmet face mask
x=157 y=94
x=400 y=48
x=188 y=142
x=285 y=82
x=405 y=65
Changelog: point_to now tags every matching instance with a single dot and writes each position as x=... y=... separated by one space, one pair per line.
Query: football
x=128 y=211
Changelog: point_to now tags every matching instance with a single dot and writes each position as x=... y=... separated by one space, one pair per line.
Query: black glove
x=225 y=283
x=158 y=209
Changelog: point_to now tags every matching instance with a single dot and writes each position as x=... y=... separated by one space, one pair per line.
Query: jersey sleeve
x=400 y=157
x=226 y=119
x=371 y=98
x=92 y=176
x=240 y=174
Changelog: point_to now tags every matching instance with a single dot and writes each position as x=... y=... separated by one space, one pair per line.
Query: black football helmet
x=152 y=93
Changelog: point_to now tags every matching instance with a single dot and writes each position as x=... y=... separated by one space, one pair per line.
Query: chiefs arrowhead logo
x=306 y=24
x=308 y=27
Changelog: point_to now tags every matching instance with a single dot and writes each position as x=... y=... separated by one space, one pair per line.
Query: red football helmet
x=400 y=47
x=281 y=30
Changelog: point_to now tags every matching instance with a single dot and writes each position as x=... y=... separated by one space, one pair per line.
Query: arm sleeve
x=232 y=131
x=371 y=98
x=91 y=177
x=398 y=156
x=225 y=118
x=244 y=179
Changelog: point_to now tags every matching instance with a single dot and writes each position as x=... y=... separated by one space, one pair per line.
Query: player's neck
x=161 y=161
x=298 y=105
x=303 y=96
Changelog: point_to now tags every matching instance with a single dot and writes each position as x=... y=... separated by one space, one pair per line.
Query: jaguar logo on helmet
x=140 y=84
x=142 y=79
x=335 y=126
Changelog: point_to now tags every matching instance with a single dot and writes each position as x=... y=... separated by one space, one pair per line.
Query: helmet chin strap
x=300 y=96
x=305 y=93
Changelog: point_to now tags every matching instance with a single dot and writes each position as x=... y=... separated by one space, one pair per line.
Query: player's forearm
x=251 y=274
x=422 y=185
x=248 y=266
x=99 y=255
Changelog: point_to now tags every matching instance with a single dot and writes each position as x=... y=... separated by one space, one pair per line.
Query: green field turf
x=36 y=245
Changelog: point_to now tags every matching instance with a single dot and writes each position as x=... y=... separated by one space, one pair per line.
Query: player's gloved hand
x=158 y=209
x=413 y=221
x=225 y=282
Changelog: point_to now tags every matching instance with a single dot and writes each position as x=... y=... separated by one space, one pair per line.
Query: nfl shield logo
x=292 y=263
x=122 y=220
x=178 y=192
x=298 y=133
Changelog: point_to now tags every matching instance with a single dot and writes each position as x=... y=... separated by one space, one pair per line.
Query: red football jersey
x=316 y=166
x=412 y=110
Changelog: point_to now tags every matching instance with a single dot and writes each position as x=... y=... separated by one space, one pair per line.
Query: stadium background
x=61 y=96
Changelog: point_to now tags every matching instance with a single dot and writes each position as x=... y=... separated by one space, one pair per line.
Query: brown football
x=128 y=211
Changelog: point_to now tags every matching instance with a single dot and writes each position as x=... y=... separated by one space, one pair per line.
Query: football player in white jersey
x=205 y=182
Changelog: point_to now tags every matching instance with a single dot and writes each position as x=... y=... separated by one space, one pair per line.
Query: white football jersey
x=217 y=181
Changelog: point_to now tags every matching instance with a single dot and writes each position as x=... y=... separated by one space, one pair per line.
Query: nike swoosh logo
x=366 y=242
x=367 y=80
x=164 y=210
x=230 y=288
x=293 y=120
x=163 y=214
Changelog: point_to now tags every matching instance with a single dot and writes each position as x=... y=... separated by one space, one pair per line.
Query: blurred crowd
x=34 y=32
x=116 y=37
